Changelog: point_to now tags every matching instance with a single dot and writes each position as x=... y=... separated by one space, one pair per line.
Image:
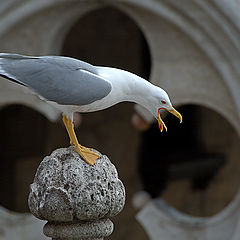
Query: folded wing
x=63 y=80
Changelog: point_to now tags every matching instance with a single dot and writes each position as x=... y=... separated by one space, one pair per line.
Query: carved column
x=75 y=198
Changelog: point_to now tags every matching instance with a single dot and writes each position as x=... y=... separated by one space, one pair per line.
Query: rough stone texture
x=65 y=188
x=87 y=230
x=68 y=190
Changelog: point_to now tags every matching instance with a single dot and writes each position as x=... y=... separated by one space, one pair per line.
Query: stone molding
x=75 y=198
x=207 y=23
x=169 y=223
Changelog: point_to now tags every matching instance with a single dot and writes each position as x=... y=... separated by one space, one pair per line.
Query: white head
x=160 y=100
x=139 y=90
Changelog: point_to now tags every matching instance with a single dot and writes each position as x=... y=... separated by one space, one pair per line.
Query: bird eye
x=163 y=102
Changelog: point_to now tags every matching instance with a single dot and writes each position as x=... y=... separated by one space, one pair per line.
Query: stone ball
x=66 y=188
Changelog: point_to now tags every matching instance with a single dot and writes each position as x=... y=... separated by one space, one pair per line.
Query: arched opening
x=23 y=133
x=200 y=157
x=108 y=37
x=26 y=138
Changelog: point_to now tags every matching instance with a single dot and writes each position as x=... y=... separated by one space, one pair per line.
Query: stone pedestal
x=75 y=198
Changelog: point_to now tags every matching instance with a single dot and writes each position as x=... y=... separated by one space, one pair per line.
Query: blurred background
x=189 y=48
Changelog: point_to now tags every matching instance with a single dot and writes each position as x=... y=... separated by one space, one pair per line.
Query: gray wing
x=63 y=80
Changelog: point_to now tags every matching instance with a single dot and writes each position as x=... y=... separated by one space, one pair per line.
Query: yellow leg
x=87 y=154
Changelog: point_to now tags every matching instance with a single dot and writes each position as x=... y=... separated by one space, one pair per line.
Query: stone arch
x=202 y=139
x=183 y=16
x=106 y=36
x=159 y=214
x=206 y=36
x=211 y=37
x=23 y=134
x=26 y=137
x=105 y=122
x=24 y=22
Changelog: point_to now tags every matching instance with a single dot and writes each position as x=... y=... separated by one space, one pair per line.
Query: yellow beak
x=176 y=113
x=161 y=124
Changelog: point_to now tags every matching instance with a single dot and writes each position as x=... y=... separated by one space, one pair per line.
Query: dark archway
x=23 y=132
x=194 y=165
x=26 y=138
x=108 y=37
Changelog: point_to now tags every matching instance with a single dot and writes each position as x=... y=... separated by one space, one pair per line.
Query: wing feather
x=63 y=80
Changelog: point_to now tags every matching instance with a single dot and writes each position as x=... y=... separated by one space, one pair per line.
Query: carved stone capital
x=77 y=199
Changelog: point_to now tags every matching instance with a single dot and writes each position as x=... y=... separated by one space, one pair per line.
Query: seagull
x=72 y=85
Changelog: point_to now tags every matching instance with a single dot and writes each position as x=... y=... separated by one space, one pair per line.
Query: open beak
x=173 y=111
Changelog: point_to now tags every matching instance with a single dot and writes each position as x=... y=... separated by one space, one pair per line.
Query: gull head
x=161 y=101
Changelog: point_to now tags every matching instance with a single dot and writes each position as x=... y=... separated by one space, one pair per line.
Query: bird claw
x=88 y=155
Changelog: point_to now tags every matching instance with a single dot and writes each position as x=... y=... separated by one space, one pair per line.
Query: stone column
x=75 y=198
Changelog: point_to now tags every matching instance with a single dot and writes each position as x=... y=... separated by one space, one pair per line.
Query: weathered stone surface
x=66 y=188
x=86 y=230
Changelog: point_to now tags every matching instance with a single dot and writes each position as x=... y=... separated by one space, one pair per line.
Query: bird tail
x=5 y=58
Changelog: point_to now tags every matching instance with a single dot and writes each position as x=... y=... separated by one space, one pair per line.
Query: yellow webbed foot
x=87 y=154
